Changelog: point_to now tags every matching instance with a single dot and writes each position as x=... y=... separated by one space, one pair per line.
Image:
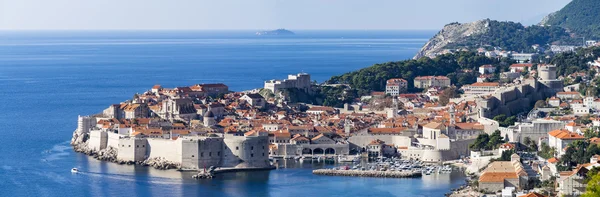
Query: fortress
x=230 y=150
x=511 y=100
x=300 y=81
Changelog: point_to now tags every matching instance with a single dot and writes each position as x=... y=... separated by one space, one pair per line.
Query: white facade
x=487 y=69
x=394 y=87
x=300 y=81
x=481 y=88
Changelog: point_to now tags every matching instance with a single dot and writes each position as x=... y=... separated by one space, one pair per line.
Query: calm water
x=48 y=78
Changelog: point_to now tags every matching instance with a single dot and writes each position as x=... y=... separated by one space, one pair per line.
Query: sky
x=262 y=14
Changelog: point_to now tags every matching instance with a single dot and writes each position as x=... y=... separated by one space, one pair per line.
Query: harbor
x=381 y=174
x=376 y=167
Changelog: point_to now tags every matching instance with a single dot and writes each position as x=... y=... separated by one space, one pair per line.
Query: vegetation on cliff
x=513 y=36
x=579 y=16
x=487 y=142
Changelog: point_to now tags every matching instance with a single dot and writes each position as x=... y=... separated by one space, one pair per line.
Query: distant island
x=277 y=32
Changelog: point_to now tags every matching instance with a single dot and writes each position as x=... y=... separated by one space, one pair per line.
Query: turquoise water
x=48 y=78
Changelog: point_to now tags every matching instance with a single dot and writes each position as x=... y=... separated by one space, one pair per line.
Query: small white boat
x=74 y=170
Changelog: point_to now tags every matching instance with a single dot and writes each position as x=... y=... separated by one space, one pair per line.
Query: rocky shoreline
x=80 y=144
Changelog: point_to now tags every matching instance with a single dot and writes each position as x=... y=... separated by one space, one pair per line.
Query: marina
x=385 y=174
x=381 y=167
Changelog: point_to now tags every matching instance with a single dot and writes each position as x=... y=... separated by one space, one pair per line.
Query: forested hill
x=581 y=17
x=460 y=67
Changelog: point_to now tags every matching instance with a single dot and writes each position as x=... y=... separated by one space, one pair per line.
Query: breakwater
x=360 y=173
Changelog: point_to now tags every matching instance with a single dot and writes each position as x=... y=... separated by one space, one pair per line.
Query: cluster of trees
x=578 y=152
x=374 y=78
x=546 y=151
x=505 y=121
x=505 y=156
x=571 y=62
x=514 y=36
x=334 y=96
x=487 y=142
x=593 y=184
x=580 y=17
x=447 y=94
x=530 y=144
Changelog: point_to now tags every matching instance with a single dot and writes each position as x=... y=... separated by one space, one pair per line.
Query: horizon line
x=41 y=30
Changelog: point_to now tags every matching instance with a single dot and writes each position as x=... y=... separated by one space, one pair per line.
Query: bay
x=47 y=78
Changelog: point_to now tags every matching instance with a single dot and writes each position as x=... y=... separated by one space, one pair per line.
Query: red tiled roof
x=486 y=84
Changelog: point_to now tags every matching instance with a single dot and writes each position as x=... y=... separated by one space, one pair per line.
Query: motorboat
x=74 y=170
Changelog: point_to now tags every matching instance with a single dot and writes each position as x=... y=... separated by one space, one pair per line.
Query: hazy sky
x=263 y=14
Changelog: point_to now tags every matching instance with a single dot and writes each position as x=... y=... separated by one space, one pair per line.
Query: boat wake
x=57 y=152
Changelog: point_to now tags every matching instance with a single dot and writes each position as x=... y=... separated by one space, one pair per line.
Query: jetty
x=368 y=173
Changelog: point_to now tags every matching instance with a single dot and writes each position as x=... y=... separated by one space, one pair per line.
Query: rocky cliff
x=451 y=33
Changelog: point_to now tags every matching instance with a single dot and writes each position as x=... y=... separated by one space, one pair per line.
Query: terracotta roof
x=533 y=194
x=300 y=138
x=494 y=177
x=486 y=84
x=553 y=160
x=567 y=93
x=432 y=77
x=595 y=140
x=318 y=137
x=565 y=135
x=521 y=65
x=395 y=81
x=396 y=130
x=486 y=66
x=321 y=108
x=377 y=93
x=434 y=125
x=156 y=87
x=377 y=142
x=507 y=146
x=469 y=126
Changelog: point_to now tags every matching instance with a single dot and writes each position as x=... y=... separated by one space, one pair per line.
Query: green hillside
x=581 y=17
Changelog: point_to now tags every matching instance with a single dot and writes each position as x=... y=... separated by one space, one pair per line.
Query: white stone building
x=487 y=69
x=396 y=86
x=300 y=81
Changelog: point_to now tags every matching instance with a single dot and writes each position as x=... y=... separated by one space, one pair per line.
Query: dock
x=368 y=173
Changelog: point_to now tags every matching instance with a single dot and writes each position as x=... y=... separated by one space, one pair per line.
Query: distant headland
x=277 y=32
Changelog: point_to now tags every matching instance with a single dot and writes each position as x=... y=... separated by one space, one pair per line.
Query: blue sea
x=47 y=78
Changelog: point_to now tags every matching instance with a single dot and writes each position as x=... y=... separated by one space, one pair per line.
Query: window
x=219 y=153
x=129 y=146
x=143 y=145
x=263 y=154
x=210 y=154
x=251 y=155
x=237 y=148
x=202 y=154
x=263 y=147
x=252 y=148
x=192 y=155
x=137 y=146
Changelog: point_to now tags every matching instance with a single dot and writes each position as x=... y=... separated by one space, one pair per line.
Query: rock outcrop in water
x=451 y=33
x=160 y=163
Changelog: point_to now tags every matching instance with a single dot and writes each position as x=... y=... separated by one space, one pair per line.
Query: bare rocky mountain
x=451 y=33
